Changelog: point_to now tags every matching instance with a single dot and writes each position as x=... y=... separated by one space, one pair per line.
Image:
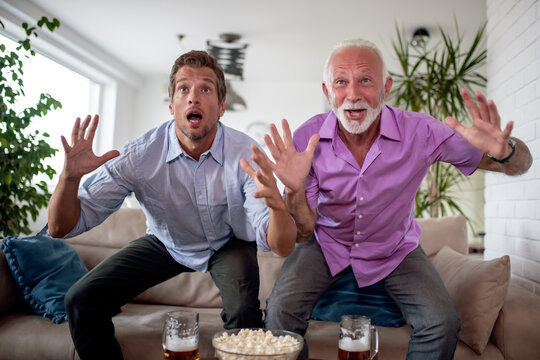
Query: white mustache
x=358 y=105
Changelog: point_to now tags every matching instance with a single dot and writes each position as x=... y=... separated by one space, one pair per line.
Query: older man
x=351 y=193
x=203 y=203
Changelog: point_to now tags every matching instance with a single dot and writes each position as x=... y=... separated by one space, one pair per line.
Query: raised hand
x=263 y=178
x=291 y=167
x=79 y=156
x=485 y=134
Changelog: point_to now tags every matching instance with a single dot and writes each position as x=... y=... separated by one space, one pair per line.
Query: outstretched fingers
x=246 y=166
x=312 y=144
x=75 y=130
x=264 y=176
x=508 y=129
x=260 y=158
x=271 y=147
x=92 y=129
x=482 y=110
x=287 y=135
x=108 y=156
x=65 y=144
x=494 y=114
x=278 y=141
x=483 y=107
x=471 y=106
x=454 y=124
x=83 y=127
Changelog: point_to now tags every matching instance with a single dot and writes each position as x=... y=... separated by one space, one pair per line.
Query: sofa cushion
x=346 y=298
x=477 y=289
x=193 y=289
x=118 y=230
x=44 y=268
x=444 y=231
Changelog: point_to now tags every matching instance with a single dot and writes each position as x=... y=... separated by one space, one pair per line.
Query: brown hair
x=198 y=59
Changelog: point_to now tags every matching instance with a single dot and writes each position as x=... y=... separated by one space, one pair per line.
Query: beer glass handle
x=374 y=343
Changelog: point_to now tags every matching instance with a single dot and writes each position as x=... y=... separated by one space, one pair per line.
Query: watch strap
x=512 y=144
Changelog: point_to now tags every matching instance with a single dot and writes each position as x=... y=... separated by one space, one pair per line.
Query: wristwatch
x=512 y=144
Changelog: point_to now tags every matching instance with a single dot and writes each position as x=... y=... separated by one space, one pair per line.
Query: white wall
x=125 y=114
x=512 y=207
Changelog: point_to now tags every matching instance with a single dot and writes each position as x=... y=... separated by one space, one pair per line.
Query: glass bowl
x=256 y=351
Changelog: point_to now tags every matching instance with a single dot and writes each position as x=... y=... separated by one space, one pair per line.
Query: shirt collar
x=389 y=126
x=175 y=150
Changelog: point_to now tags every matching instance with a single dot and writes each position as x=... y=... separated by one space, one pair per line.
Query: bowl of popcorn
x=257 y=344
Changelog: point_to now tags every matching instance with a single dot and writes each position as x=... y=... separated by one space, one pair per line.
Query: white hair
x=358 y=43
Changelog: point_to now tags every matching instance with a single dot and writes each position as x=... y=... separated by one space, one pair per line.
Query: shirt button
x=361 y=198
x=358 y=233
x=360 y=216
x=356 y=245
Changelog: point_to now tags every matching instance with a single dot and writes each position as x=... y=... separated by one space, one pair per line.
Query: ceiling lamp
x=230 y=54
x=420 y=37
x=233 y=101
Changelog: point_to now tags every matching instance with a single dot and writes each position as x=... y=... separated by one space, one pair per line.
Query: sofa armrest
x=8 y=288
x=516 y=330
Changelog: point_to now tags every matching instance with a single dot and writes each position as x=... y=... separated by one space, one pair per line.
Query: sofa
x=490 y=305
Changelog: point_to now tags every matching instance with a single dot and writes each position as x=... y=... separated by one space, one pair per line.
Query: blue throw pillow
x=44 y=269
x=346 y=298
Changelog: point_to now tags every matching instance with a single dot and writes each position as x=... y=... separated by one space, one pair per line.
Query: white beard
x=354 y=126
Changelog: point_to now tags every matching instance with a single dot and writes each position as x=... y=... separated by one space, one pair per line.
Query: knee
x=280 y=310
x=449 y=322
x=451 y=325
x=275 y=306
x=242 y=313
x=440 y=324
x=241 y=305
x=72 y=299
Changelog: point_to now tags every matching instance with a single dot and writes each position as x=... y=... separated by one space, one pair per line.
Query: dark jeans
x=414 y=285
x=97 y=297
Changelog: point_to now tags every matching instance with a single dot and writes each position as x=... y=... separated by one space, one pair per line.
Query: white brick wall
x=512 y=208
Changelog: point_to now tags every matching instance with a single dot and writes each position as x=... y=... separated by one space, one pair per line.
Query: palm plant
x=430 y=82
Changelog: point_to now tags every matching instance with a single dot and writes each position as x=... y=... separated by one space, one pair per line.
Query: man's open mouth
x=354 y=113
x=194 y=116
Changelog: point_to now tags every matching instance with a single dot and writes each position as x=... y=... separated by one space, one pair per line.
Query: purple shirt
x=366 y=215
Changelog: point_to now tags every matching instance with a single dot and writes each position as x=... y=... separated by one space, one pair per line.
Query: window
x=78 y=94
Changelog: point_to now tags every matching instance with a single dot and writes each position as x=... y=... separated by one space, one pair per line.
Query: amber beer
x=182 y=354
x=353 y=349
x=358 y=339
x=177 y=348
x=181 y=336
x=353 y=355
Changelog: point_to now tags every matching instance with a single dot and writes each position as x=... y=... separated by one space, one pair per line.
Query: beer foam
x=351 y=345
x=181 y=344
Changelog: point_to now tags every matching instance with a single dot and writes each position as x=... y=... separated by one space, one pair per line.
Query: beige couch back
x=198 y=289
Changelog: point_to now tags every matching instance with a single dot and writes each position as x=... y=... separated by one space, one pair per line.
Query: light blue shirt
x=193 y=207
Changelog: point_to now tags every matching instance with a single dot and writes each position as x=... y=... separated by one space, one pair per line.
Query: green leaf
x=429 y=80
x=21 y=154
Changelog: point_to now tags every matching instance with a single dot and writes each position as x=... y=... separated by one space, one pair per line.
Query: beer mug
x=358 y=339
x=181 y=336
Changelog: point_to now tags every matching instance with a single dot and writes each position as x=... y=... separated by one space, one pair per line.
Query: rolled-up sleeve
x=104 y=192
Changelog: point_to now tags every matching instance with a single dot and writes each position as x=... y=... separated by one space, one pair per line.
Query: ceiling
x=288 y=39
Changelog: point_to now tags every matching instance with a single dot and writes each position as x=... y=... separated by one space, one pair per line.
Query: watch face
x=257 y=129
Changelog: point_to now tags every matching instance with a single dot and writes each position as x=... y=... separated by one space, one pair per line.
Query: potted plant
x=21 y=152
x=430 y=81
